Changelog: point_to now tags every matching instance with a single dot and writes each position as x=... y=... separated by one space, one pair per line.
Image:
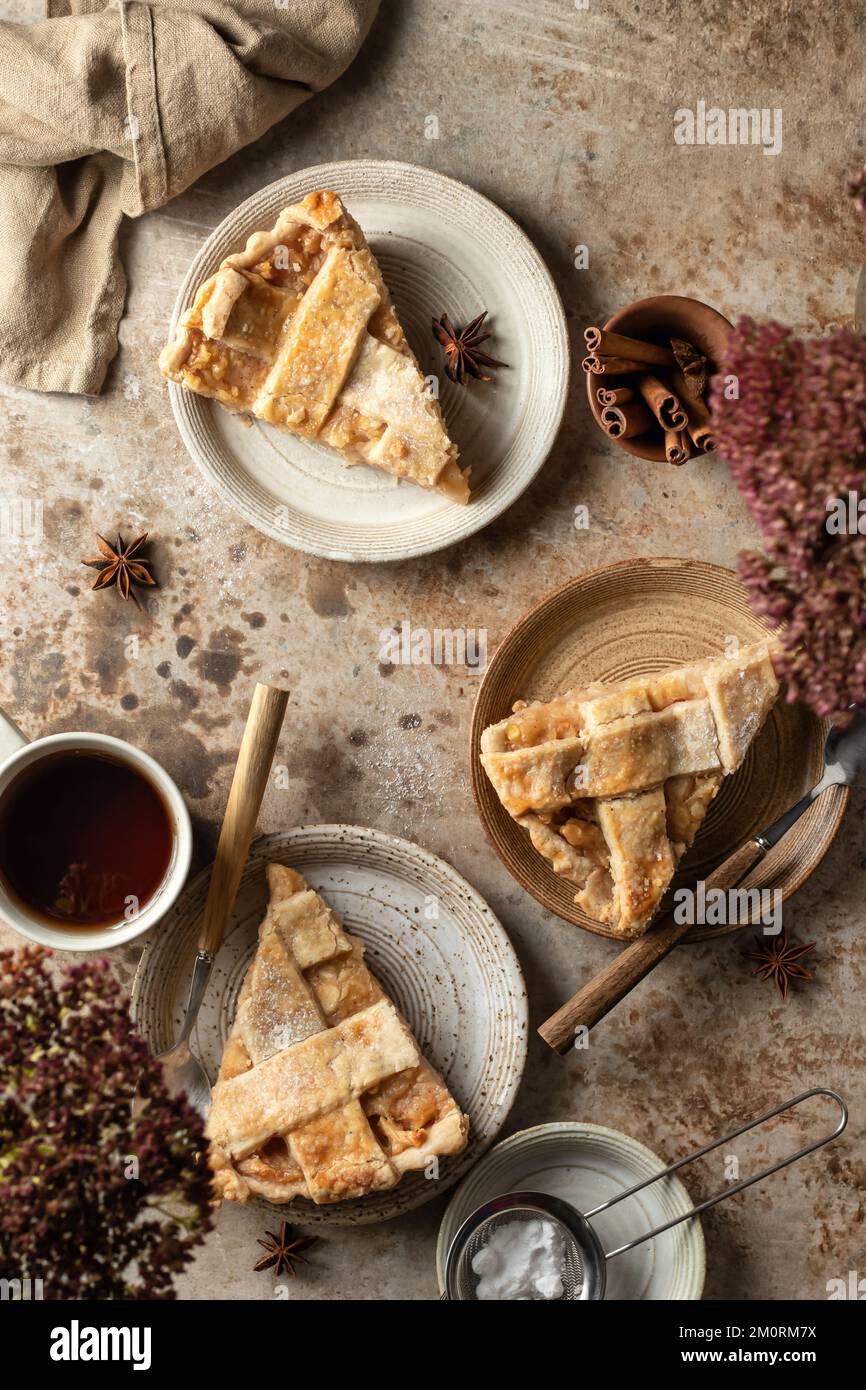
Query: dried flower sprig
x=794 y=435
x=95 y=1202
x=857 y=191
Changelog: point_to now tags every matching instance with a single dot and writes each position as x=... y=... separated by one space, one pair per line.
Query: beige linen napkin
x=108 y=109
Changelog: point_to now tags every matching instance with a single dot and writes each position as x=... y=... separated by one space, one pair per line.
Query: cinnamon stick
x=611 y=366
x=695 y=406
x=623 y=421
x=700 y=424
x=621 y=395
x=663 y=403
x=703 y=439
x=677 y=447
x=607 y=344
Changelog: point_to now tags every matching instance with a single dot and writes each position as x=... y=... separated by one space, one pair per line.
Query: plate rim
x=558 y=380
x=694 y=936
x=342 y=833
x=576 y=1129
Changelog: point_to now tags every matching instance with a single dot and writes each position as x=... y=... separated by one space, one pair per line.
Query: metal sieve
x=584 y=1267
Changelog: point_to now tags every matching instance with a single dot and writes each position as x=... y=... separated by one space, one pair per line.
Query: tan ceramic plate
x=431 y=939
x=626 y=620
x=441 y=247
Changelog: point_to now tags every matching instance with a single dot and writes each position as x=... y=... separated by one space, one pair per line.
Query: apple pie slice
x=299 y=330
x=322 y=1091
x=612 y=782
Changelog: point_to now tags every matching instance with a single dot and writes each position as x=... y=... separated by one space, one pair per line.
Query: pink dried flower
x=857 y=191
x=95 y=1203
x=795 y=438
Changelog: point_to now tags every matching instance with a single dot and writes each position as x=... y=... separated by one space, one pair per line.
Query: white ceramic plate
x=442 y=248
x=431 y=940
x=586 y=1165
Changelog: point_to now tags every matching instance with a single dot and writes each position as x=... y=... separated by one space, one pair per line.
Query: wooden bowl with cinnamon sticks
x=647 y=375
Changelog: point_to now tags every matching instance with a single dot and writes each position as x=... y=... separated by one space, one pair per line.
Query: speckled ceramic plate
x=431 y=939
x=587 y=1165
x=633 y=618
x=442 y=248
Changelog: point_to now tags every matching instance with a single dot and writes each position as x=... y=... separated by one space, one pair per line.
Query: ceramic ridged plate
x=442 y=247
x=632 y=619
x=431 y=940
x=587 y=1165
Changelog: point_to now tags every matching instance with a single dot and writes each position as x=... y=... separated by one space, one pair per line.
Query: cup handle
x=11 y=737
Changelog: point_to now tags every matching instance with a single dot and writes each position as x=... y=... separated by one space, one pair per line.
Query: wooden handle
x=615 y=981
x=256 y=754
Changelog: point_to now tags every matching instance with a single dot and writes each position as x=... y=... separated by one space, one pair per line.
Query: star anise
x=692 y=364
x=118 y=565
x=779 y=961
x=284 y=1251
x=463 y=351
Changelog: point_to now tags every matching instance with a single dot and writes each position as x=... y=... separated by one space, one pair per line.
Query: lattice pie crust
x=612 y=782
x=322 y=1092
x=299 y=330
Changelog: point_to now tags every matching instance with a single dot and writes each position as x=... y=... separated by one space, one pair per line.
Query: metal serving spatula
x=844 y=759
x=182 y=1070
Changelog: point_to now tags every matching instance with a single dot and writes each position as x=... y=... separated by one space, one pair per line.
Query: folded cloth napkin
x=108 y=109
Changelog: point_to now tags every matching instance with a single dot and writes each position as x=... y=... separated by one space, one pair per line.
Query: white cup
x=16 y=753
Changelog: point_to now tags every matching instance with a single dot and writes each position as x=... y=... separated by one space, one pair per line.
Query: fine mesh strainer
x=584 y=1261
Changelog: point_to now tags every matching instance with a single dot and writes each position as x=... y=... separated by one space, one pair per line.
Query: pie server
x=584 y=1265
x=844 y=758
x=182 y=1070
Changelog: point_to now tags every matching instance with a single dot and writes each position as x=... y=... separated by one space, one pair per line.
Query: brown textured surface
x=631 y=619
x=564 y=117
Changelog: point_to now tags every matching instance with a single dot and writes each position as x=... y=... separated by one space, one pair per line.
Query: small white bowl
x=586 y=1165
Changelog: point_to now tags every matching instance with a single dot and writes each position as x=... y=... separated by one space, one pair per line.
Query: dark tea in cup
x=85 y=839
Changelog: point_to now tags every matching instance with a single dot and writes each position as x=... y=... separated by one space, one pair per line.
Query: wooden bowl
x=631 y=619
x=657 y=320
